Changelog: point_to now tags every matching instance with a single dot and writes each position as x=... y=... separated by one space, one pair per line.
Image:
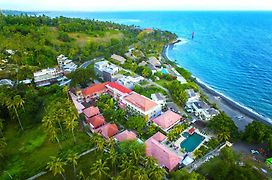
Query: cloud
x=126 y=5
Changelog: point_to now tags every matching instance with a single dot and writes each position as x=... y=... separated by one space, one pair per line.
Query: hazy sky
x=115 y=5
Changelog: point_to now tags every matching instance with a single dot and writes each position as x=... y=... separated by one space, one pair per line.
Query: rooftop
x=162 y=154
x=212 y=111
x=190 y=92
x=140 y=101
x=108 y=130
x=118 y=58
x=118 y=87
x=96 y=121
x=126 y=135
x=157 y=97
x=95 y=88
x=91 y=111
x=167 y=119
x=154 y=61
x=201 y=105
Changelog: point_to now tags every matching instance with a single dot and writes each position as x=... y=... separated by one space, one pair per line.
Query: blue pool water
x=191 y=142
x=231 y=52
x=164 y=71
x=185 y=134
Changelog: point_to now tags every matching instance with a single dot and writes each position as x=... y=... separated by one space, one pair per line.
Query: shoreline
x=226 y=104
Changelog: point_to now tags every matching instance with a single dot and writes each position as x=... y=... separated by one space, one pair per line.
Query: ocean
x=231 y=51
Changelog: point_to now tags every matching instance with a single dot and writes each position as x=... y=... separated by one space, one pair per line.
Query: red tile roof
x=192 y=130
x=95 y=88
x=91 y=111
x=159 y=137
x=167 y=119
x=108 y=130
x=162 y=154
x=96 y=121
x=140 y=101
x=119 y=87
x=126 y=135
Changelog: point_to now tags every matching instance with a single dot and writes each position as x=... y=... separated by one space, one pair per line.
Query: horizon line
x=151 y=10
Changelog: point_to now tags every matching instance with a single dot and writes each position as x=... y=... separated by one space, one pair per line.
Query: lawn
x=148 y=90
x=82 y=38
x=163 y=82
x=84 y=165
x=29 y=151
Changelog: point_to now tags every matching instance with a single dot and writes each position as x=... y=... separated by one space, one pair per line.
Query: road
x=207 y=157
x=240 y=119
x=87 y=63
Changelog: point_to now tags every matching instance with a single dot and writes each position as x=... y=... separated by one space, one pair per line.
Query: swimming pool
x=191 y=142
x=185 y=134
x=164 y=71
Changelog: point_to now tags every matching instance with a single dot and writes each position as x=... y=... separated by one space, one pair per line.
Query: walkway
x=207 y=157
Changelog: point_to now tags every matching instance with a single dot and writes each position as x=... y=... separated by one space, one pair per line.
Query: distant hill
x=15 y=12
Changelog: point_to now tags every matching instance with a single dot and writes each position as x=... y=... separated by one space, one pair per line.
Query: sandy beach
x=241 y=115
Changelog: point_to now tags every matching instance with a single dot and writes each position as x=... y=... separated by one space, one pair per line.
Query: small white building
x=129 y=81
x=10 y=51
x=65 y=64
x=7 y=82
x=118 y=58
x=192 y=95
x=100 y=66
x=159 y=98
x=155 y=62
x=203 y=110
x=107 y=71
x=47 y=76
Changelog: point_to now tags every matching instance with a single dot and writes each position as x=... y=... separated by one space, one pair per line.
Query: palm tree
x=113 y=157
x=119 y=177
x=19 y=101
x=135 y=157
x=140 y=174
x=72 y=158
x=171 y=136
x=111 y=144
x=157 y=173
x=65 y=91
x=98 y=141
x=150 y=162
x=51 y=130
x=224 y=136
x=99 y=169
x=128 y=167
x=71 y=122
x=81 y=175
x=56 y=166
x=3 y=144
x=1 y=127
x=11 y=104
x=198 y=153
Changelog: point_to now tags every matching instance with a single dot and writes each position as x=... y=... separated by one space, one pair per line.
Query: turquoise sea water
x=231 y=52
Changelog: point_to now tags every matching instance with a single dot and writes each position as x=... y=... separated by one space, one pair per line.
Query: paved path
x=207 y=157
x=87 y=63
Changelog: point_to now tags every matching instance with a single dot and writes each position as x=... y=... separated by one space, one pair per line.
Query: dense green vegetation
x=228 y=165
x=223 y=127
x=29 y=145
x=148 y=90
x=258 y=133
x=39 y=127
x=41 y=39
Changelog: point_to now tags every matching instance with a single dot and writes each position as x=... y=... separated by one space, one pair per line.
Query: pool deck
x=178 y=142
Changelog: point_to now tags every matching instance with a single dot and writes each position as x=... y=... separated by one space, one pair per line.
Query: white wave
x=233 y=101
x=182 y=41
